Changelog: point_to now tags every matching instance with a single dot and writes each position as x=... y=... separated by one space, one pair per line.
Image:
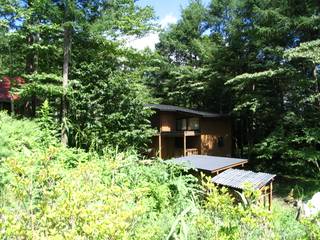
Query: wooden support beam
x=160 y=145
x=270 y=196
x=184 y=144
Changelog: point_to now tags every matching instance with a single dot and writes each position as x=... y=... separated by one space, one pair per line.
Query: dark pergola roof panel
x=170 y=108
x=208 y=163
x=237 y=178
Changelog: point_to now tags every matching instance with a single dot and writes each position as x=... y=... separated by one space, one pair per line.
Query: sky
x=167 y=12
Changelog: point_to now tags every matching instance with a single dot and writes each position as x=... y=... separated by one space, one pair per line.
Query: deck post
x=184 y=144
x=160 y=145
x=270 y=195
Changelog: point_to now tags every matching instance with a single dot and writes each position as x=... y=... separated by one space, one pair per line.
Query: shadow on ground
x=300 y=188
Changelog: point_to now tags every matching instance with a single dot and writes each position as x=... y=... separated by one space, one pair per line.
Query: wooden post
x=160 y=145
x=184 y=144
x=270 y=196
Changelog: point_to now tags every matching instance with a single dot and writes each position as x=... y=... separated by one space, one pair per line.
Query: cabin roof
x=171 y=108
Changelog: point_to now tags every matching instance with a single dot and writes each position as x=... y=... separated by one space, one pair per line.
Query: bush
x=18 y=137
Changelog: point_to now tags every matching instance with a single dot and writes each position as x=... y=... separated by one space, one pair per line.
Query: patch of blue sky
x=164 y=8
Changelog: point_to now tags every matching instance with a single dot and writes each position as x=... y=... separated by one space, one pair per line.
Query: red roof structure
x=6 y=83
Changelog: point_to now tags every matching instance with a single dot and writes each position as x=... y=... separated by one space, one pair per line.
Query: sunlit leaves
x=308 y=50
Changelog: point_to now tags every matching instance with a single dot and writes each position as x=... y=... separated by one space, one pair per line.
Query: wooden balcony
x=179 y=133
x=186 y=149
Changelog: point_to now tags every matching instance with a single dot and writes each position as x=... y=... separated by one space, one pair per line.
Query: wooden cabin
x=185 y=132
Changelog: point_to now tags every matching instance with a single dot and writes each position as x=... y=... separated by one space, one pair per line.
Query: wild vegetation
x=70 y=159
x=49 y=191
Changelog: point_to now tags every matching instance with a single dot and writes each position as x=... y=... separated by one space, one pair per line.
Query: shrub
x=18 y=137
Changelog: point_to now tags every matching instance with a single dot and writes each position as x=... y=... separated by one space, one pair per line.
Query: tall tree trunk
x=66 y=59
x=32 y=60
x=315 y=75
x=31 y=68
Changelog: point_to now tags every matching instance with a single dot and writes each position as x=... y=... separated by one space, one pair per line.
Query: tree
x=181 y=74
x=77 y=15
x=57 y=25
x=107 y=96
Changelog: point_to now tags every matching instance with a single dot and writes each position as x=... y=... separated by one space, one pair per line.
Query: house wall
x=155 y=121
x=211 y=130
x=168 y=147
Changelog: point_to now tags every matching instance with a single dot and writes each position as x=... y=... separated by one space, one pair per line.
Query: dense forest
x=71 y=152
x=255 y=60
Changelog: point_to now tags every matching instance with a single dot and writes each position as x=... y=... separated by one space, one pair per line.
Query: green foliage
x=312 y=226
x=125 y=18
x=181 y=73
x=107 y=103
x=18 y=137
x=308 y=50
x=47 y=123
x=258 y=59
x=61 y=193
x=55 y=192
x=32 y=47
x=255 y=59
x=295 y=149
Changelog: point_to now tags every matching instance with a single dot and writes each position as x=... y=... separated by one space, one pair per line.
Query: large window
x=182 y=124
x=191 y=124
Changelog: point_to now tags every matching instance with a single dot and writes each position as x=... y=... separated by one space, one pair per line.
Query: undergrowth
x=52 y=192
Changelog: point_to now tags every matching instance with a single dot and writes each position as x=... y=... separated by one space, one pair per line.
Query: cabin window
x=182 y=124
x=193 y=124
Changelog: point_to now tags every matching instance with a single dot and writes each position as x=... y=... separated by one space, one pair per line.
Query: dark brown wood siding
x=216 y=137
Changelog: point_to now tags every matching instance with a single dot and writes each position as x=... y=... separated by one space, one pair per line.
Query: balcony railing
x=192 y=151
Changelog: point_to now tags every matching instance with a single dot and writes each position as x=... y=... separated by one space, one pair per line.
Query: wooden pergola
x=225 y=175
x=237 y=179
